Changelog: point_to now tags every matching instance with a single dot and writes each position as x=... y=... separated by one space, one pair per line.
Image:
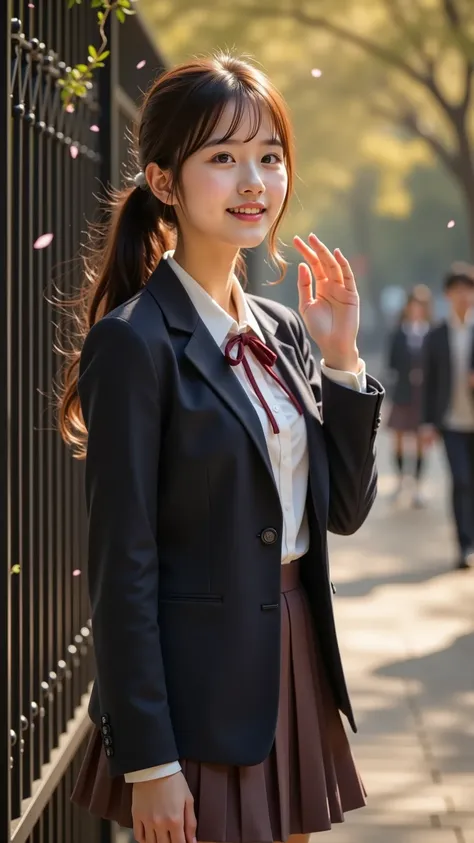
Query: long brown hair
x=179 y=114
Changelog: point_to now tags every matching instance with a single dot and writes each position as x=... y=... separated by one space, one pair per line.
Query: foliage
x=77 y=80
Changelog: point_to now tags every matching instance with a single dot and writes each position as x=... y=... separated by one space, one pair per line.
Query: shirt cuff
x=353 y=380
x=151 y=773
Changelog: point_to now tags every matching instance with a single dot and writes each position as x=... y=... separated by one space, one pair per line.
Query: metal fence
x=46 y=661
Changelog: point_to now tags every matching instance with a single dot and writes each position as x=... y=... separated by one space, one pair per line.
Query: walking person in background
x=448 y=403
x=212 y=482
x=405 y=362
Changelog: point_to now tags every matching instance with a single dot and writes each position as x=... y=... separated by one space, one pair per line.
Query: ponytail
x=122 y=255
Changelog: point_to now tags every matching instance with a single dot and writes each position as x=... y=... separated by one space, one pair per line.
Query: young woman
x=405 y=361
x=212 y=481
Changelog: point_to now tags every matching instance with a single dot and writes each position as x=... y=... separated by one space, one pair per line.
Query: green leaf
x=71 y=4
x=125 y=4
x=15 y=569
x=104 y=55
x=120 y=15
x=100 y=17
x=96 y=4
x=99 y=64
x=82 y=67
x=92 y=51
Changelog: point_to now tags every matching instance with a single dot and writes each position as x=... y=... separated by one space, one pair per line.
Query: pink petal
x=141 y=64
x=43 y=241
x=70 y=108
x=77 y=572
x=316 y=72
x=74 y=152
x=451 y=224
x=31 y=5
x=95 y=128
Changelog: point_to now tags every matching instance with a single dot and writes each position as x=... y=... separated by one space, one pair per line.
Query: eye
x=223 y=158
x=277 y=158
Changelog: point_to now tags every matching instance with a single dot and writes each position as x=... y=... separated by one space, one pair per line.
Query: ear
x=160 y=183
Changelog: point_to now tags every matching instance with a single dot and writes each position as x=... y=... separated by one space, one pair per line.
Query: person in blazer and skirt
x=405 y=363
x=217 y=461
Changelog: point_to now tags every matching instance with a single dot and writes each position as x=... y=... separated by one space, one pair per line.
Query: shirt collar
x=456 y=324
x=218 y=322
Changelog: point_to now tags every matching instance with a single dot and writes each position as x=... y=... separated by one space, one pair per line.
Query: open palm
x=331 y=314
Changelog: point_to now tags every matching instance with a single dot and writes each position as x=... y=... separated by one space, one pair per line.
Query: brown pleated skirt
x=307 y=782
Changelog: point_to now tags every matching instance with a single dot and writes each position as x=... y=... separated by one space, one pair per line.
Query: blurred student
x=405 y=361
x=448 y=402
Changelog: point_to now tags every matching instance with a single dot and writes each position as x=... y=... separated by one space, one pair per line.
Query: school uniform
x=449 y=406
x=210 y=489
x=405 y=361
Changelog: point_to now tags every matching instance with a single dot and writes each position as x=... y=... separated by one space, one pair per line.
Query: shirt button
x=275 y=408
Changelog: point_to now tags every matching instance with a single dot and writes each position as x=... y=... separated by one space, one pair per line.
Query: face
x=461 y=297
x=232 y=192
x=416 y=311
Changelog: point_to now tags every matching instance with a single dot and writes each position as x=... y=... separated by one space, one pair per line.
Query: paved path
x=406 y=625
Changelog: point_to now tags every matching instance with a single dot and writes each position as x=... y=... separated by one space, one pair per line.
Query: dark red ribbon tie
x=267 y=358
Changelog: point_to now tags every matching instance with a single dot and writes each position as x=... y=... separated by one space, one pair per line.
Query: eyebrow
x=235 y=142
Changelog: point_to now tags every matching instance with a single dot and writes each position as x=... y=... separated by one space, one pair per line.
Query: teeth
x=249 y=211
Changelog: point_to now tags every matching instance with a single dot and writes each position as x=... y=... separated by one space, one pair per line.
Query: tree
x=407 y=64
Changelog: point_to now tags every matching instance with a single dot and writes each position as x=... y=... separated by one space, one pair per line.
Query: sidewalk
x=406 y=627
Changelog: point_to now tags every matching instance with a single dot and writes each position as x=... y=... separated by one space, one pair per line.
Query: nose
x=251 y=183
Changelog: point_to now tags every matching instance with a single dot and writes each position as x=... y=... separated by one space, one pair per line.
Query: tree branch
x=406 y=117
x=400 y=21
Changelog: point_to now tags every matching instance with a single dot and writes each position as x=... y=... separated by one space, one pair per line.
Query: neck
x=462 y=314
x=213 y=269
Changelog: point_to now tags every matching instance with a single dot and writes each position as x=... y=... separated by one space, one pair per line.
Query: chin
x=249 y=239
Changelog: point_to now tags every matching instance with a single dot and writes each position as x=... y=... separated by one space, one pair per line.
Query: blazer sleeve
x=119 y=394
x=350 y=423
x=428 y=408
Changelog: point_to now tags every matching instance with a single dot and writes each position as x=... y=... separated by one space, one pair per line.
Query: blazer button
x=109 y=752
x=269 y=535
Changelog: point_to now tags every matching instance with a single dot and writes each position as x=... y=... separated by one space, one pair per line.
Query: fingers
x=305 y=287
x=328 y=261
x=310 y=255
x=347 y=274
x=176 y=831
x=190 y=823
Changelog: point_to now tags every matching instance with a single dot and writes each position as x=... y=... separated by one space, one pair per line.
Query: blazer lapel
x=202 y=351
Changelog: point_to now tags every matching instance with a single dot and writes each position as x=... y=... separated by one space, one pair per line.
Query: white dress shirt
x=287 y=449
x=460 y=414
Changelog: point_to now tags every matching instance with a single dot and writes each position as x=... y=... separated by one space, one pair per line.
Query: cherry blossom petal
x=70 y=108
x=451 y=224
x=43 y=241
x=77 y=572
x=31 y=5
x=95 y=128
x=73 y=151
x=141 y=64
x=316 y=72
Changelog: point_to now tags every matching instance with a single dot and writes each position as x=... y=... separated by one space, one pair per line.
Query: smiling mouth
x=247 y=214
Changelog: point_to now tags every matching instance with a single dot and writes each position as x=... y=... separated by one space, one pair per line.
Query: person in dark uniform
x=217 y=460
x=448 y=402
x=405 y=363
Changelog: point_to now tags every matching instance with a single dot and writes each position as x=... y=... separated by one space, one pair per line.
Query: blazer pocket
x=191 y=598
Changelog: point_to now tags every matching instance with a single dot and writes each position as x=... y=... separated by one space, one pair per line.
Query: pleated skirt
x=306 y=784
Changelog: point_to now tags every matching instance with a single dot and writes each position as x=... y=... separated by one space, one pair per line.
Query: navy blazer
x=185 y=527
x=438 y=374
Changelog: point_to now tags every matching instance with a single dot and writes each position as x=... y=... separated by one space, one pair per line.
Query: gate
x=46 y=662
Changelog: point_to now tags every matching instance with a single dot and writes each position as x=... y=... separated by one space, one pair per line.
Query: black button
x=109 y=752
x=105 y=730
x=378 y=422
x=107 y=741
x=105 y=719
x=269 y=535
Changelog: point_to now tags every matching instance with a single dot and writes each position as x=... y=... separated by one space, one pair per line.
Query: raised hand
x=331 y=313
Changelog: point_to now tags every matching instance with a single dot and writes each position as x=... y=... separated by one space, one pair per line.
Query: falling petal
x=74 y=152
x=76 y=572
x=95 y=128
x=31 y=5
x=70 y=108
x=316 y=72
x=141 y=64
x=43 y=241
x=451 y=224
